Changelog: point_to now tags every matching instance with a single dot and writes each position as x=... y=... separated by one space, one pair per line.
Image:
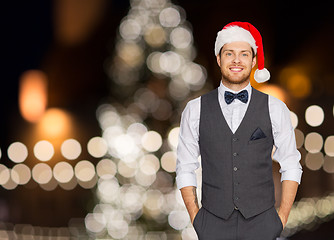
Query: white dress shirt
x=286 y=153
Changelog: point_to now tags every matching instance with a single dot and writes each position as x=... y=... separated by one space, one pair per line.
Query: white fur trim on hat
x=234 y=34
x=262 y=75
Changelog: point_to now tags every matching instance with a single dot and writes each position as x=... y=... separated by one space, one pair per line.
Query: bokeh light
x=127 y=169
x=272 y=90
x=299 y=138
x=294 y=119
x=313 y=142
x=173 y=137
x=106 y=169
x=50 y=185
x=21 y=174
x=33 y=95
x=4 y=174
x=154 y=35
x=95 y=223
x=314 y=115
x=299 y=85
x=314 y=161
x=170 y=17
x=328 y=164
x=181 y=37
x=149 y=164
x=42 y=173
x=178 y=219
x=17 y=152
x=84 y=171
x=168 y=161
x=296 y=82
x=130 y=29
x=97 y=147
x=151 y=141
x=55 y=123
x=70 y=149
x=43 y=150
x=63 y=172
x=329 y=146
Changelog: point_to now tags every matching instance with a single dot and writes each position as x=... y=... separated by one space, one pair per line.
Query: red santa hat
x=244 y=32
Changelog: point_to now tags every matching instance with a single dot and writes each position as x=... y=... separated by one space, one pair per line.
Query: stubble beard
x=226 y=78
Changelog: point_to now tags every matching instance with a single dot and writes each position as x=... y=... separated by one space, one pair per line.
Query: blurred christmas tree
x=152 y=74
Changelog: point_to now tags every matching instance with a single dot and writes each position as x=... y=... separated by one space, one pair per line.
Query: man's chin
x=236 y=80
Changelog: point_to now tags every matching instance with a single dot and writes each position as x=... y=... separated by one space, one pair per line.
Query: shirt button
x=235 y=154
x=235 y=169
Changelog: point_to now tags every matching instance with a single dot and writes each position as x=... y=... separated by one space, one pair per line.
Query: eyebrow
x=230 y=50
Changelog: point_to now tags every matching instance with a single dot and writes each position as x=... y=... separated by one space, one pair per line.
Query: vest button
x=235 y=169
x=236 y=208
x=235 y=154
x=235 y=139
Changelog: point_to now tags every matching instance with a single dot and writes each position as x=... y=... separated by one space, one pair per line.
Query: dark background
x=293 y=32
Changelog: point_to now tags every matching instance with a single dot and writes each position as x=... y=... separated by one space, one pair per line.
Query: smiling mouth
x=236 y=69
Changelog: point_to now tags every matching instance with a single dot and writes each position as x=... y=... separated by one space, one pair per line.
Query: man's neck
x=235 y=87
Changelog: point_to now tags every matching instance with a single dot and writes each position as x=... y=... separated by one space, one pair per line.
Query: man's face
x=236 y=62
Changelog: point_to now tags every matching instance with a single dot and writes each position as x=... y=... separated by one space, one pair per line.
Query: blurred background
x=91 y=97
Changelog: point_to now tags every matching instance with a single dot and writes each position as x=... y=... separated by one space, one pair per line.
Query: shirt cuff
x=186 y=179
x=292 y=175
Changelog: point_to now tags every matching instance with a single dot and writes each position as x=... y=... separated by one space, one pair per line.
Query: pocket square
x=258 y=134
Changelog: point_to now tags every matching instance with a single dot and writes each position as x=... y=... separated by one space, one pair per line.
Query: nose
x=236 y=59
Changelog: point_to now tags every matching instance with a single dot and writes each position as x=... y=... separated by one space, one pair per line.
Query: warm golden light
x=273 y=90
x=55 y=123
x=299 y=85
x=76 y=20
x=296 y=82
x=33 y=95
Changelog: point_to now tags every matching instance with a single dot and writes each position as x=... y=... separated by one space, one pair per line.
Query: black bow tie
x=242 y=96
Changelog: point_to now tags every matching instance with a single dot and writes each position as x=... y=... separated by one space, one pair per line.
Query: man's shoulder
x=276 y=104
x=272 y=99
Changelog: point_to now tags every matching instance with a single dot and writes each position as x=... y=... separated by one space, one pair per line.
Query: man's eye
x=228 y=54
x=245 y=55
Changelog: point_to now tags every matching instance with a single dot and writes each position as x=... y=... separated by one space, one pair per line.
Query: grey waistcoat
x=236 y=171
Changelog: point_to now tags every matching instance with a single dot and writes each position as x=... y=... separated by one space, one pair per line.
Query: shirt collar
x=222 y=88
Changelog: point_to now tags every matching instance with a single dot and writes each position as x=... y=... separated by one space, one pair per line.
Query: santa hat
x=244 y=32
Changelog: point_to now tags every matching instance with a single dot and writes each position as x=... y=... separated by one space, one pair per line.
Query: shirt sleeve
x=188 y=147
x=286 y=153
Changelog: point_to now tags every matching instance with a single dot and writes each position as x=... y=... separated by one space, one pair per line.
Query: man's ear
x=254 y=61
x=218 y=59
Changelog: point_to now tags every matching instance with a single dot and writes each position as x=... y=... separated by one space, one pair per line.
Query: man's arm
x=289 y=190
x=189 y=196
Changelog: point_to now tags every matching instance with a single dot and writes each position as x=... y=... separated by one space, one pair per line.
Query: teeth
x=237 y=69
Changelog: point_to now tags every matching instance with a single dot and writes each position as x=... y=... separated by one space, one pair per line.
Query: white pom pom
x=261 y=75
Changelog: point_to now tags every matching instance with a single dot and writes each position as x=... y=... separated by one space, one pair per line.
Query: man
x=234 y=128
